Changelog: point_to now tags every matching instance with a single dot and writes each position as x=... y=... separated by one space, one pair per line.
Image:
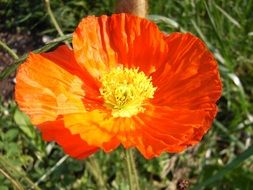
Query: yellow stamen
x=125 y=91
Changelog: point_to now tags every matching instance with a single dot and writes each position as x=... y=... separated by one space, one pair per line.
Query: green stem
x=8 y=50
x=15 y=183
x=12 y=173
x=55 y=23
x=136 y=177
x=51 y=170
x=129 y=171
x=93 y=167
x=132 y=172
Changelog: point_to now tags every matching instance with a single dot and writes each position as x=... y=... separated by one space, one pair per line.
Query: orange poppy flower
x=124 y=82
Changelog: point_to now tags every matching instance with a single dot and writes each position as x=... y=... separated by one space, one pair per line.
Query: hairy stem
x=132 y=172
x=93 y=167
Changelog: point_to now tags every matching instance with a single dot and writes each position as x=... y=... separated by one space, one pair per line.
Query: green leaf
x=24 y=123
x=1 y=145
x=11 y=134
x=2 y=187
x=12 y=149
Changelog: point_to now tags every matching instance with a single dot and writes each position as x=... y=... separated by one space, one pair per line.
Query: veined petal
x=138 y=42
x=101 y=43
x=162 y=128
x=50 y=85
x=100 y=129
x=190 y=79
x=47 y=86
x=94 y=127
x=71 y=144
x=92 y=47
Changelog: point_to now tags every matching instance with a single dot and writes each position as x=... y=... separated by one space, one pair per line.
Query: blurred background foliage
x=223 y=160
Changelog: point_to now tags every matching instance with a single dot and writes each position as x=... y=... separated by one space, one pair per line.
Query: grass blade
x=16 y=175
x=230 y=18
x=232 y=165
x=158 y=18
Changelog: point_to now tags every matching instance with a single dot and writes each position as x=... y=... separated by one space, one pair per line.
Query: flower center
x=125 y=91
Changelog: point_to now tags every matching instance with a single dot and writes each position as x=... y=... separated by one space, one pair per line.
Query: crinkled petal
x=71 y=144
x=190 y=78
x=49 y=86
x=102 y=43
x=100 y=129
x=45 y=88
x=162 y=128
x=184 y=106
x=94 y=127
x=64 y=57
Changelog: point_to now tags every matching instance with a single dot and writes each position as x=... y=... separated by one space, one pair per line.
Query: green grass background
x=223 y=160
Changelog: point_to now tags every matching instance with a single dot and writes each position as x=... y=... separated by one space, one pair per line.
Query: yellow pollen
x=125 y=91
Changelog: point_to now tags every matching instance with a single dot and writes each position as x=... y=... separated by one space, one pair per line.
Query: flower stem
x=8 y=50
x=93 y=167
x=132 y=172
x=55 y=23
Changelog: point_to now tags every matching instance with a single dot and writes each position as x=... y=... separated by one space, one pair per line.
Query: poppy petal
x=190 y=79
x=164 y=129
x=45 y=88
x=91 y=45
x=93 y=127
x=64 y=57
x=71 y=144
x=101 y=43
x=138 y=42
x=102 y=130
